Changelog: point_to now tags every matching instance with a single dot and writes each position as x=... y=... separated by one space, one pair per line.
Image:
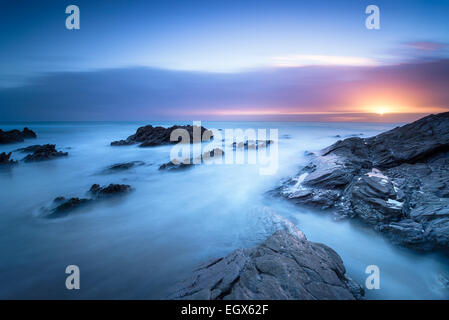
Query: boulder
x=112 y=189
x=5 y=159
x=283 y=267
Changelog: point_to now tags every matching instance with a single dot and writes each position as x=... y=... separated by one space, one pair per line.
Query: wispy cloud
x=427 y=45
x=300 y=60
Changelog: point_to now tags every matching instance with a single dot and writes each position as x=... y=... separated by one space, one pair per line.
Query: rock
x=44 y=152
x=5 y=159
x=149 y=136
x=252 y=144
x=29 y=149
x=395 y=181
x=282 y=267
x=125 y=166
x=111 y=189
x=63 y=207
x=15 y=135
x=190 y=163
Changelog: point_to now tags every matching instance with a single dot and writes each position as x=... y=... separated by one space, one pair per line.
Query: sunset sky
x=223 y=60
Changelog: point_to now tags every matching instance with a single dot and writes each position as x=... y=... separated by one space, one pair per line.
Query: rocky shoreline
x=285 y=266
x=397 y=182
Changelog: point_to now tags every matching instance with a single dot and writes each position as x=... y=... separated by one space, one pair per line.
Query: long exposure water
x=137 y=246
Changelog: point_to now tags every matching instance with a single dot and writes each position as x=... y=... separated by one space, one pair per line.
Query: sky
x=220 y=60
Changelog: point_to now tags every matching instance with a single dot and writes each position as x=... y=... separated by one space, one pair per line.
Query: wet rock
x=190 y=163
x=395 y=181
x=149 y=136
x=15 y=135
x=5 y=159
x=125 y=166
x=112 y=189
x=252 y=144
x=65 y=206
x=29 y=149
x=282 y=267
x=44 y=152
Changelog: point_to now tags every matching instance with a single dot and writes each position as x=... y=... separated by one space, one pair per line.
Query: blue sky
x=212 y=37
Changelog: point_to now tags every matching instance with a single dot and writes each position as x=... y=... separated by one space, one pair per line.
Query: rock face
x=13 y=136
x=5 y=159
x=397 y=181
x=63 y=206
x=149 y=136
x=285 y=266
x=42 y=153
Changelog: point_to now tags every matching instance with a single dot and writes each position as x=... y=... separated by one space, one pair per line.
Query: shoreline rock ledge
x=285 y=266
x=397 y=182
x=149 y=136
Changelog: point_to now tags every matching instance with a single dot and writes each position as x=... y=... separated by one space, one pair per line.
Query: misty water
x=138 y=245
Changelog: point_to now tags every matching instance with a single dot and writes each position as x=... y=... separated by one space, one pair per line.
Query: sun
x=382 y=110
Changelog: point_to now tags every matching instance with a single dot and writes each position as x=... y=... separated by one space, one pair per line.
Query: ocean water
x=137 y=246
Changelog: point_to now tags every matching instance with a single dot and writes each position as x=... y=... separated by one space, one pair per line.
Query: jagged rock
x=252 y=144
x=395 y=181
x=29 y=149
x=125 y=166
x=44 y=152
x=15 y=135
x=111 y=189
x=282 y=267
x=5 y=159
x=189 y=163
x=63 y=207
x=149 y=136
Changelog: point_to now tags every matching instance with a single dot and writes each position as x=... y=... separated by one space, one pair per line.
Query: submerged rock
x=125 y=166
x=111 y=189
x=149 y=136
x=44 y=152
x=5 y=159
x=251 y=144
x=283 y=267
x=15 y=135
x=396 y=181
x=62 y=206
x=189 y=163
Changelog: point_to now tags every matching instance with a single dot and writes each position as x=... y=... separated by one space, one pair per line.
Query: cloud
x=146 y=93
x=299 y=60
x=427 y=45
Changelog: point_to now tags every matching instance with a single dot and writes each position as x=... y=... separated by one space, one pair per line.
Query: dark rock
x=111 y=189
x=149 y=136
x=63 y=207
x=15 y=135
x=252 y=144
x=29 y=149
x=395 y=181
x=283 y=267
x=44 y=152
x=5 y=159
x=189 y=163
x=66 y=206
x=125 y=166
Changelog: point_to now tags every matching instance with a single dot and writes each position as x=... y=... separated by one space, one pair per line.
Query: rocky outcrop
x=251 y=144
x=62 y=206
x=149 y=136
x=189 y=163
x=15 y=135
x=284 y=266
x=396 y=181
x=124 y=166
x=42 y=153
x=5 y=159
x=109 y=190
